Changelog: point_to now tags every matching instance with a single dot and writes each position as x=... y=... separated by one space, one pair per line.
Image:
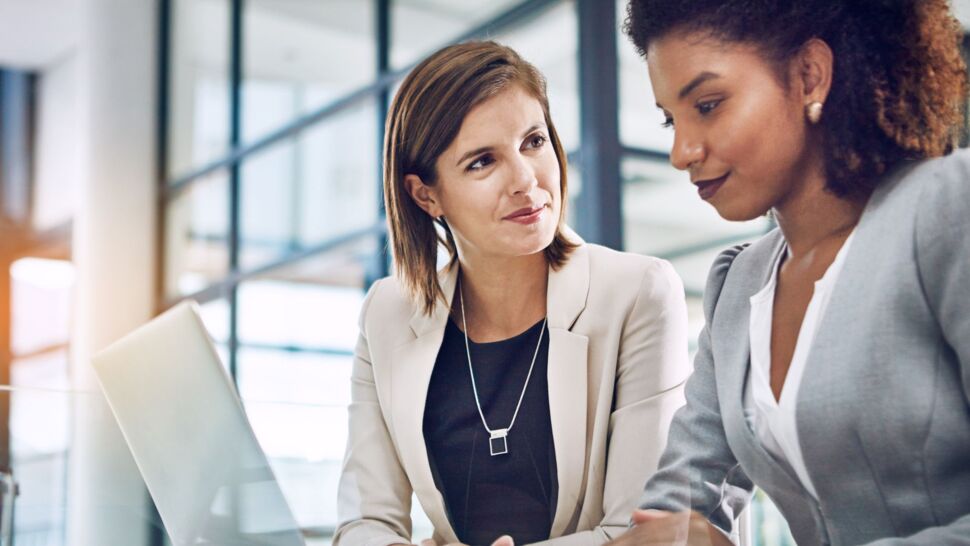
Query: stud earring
x=814 y=112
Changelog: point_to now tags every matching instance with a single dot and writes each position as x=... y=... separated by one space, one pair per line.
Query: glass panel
x=559 y=64
x=300 y=55
x=39 y=440
x=419 y=27
x=297 y=331
x=215 y=316
x=47 y=370
x=312 y=303
x=198 y=122
x=311 y=189
x=196 y=236
x=640 y=119
x=57 y=156
x=41 y=294
x=663 y=216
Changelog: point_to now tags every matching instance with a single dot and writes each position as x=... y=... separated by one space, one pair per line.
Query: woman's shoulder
x=387 y=302
x=637 y=275
x=608 y=262
x=929 y=182
x=949 y=189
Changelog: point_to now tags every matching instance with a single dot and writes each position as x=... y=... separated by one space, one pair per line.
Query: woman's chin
x=527 y=246
x=739 y=212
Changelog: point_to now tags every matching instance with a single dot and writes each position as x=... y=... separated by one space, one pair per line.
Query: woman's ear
x=813 y=71
x=425 y=196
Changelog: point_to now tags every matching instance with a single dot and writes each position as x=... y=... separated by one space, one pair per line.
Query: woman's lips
x=707 y=188
x=526 y=216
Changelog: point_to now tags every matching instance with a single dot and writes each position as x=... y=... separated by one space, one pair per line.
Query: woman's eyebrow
x=701 y=78
x=472 y=153
x=484 y=149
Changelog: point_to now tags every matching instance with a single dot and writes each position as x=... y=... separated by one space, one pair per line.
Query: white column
x=114 y=251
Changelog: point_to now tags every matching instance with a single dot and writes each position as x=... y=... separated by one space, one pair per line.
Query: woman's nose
x=523 y=176
x=688 y=149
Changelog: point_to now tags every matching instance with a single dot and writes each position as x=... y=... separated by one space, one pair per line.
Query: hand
x=504 y=540
x=656 y=527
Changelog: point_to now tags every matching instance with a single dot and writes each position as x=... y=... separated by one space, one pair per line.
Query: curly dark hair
x=899 y=84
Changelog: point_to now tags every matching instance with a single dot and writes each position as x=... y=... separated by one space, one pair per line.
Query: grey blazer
x=883 y=411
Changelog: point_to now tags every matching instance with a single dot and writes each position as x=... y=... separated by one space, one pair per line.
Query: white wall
x=113 y=251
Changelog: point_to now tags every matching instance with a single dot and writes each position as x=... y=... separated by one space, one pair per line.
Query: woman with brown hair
x=834 y=369
x=526 y=388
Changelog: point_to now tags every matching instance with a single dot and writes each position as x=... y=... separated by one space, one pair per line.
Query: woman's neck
x=502 y=297
x=811 y=216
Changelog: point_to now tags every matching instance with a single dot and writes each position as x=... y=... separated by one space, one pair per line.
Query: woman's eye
x=480 y=163
x=706 y=107
x=537 y=141
x=668 y=122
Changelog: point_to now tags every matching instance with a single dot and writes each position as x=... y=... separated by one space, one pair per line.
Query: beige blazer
x=617 y=366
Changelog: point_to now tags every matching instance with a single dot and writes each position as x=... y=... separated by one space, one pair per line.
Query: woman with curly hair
x=834 y=368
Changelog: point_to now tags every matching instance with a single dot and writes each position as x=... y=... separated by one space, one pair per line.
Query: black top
x=487 y=496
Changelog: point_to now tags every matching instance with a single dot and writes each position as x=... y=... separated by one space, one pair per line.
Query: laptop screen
x=187 y=430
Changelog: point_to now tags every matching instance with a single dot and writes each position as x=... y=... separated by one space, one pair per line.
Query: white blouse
x=773 y=422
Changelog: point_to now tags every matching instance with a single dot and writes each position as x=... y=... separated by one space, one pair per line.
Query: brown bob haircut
x=424 y=119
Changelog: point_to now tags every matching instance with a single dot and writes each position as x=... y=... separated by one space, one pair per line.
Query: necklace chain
x=471 y=372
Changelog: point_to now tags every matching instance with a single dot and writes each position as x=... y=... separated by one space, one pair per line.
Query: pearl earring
x=814 y=112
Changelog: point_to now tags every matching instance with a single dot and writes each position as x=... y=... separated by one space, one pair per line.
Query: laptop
x=188 y=433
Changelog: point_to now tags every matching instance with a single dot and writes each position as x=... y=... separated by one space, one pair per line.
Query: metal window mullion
x=6 y=360
x=161 y=145
x=16 y=155
x=382 y=10
x=235 y=138
x=599 y=215
x=521 y=12
x=219 y=288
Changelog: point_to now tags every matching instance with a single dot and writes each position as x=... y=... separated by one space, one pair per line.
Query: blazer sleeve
x=652 y=367
x=943 y=262
x=943 y=256
x=374 y=494
x=698 y=470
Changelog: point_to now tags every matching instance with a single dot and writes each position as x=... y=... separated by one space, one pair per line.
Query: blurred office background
x=229 y=151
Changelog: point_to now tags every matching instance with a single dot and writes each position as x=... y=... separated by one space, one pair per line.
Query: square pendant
x=498 y=442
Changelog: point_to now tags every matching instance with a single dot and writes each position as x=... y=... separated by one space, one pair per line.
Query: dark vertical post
x=156 y=532
x=382 y=11
x=235 y=137
x=16 y=132
x=6 y=357
x=161 y=144
x=598 y=208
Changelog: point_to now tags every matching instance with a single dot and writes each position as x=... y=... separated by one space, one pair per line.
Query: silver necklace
x=498 y=438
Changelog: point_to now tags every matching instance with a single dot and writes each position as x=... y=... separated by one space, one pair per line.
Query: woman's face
x=737 y=130
x=498 y=182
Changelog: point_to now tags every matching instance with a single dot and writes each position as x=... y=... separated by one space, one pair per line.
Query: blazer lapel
x=565 y=300
x=410 y=376
x=732 y=340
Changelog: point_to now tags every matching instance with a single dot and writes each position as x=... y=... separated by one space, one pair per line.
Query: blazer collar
x=568 y=289
x=566 y=293
x=421 y=323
